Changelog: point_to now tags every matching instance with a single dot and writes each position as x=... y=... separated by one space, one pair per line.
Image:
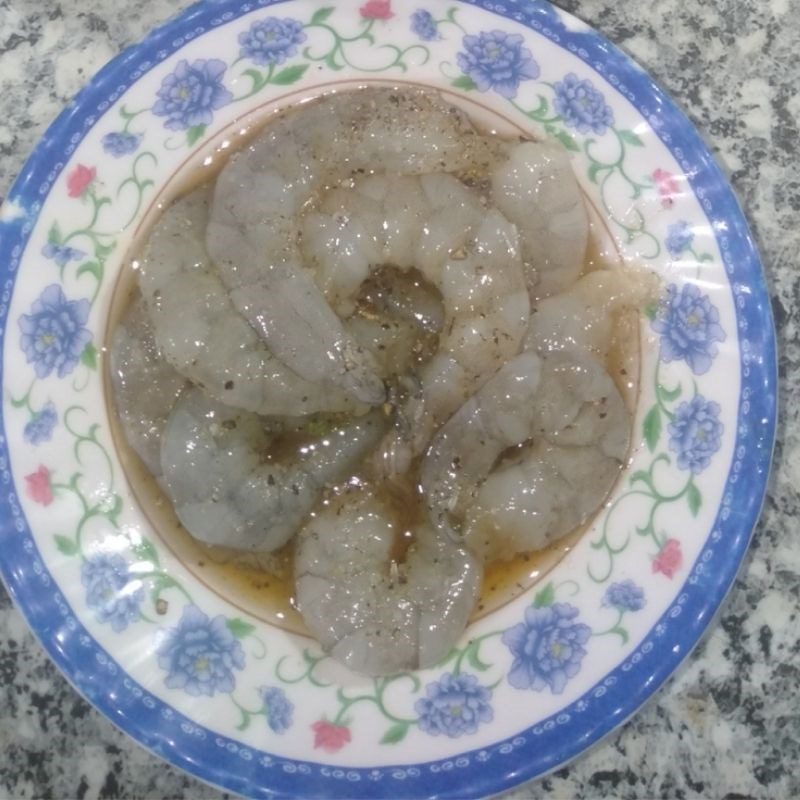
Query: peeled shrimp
x=262 y=190
x=470 y=253
x=536 y=189
x=571 y=421
x=201 y=333
x=145 y=385
x=368 y=611
x=582 y=318
x=223 y=489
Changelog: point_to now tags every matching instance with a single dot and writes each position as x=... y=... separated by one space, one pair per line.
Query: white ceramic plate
x=191 y=669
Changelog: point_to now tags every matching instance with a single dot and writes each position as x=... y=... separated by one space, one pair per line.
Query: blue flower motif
x=54 y=334
x=189 y=96
x=62 y=254
x=121 y=143
x=625 y=596
x=695 y=433
x=111 y=591
x=424 y=25
x=689 y=326
x=547 y=647
x=278 y=707
x=200 y=654
x=581 y=106
x=271 y=40
x=679 y=238
x=40 y=426
x=497 y=60
x=455 y=705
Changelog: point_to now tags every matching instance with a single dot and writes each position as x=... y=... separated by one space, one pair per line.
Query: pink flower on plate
x=669 y=559
x=330 y=737
x=38 y=487
x=667 y=185
x=79 y=180
x=377 y=9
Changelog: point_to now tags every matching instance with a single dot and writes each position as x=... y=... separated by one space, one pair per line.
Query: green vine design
x=311 y=663
x=336 y=57
x=644 y=484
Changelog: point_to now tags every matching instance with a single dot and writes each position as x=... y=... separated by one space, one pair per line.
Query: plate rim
x=133 y=714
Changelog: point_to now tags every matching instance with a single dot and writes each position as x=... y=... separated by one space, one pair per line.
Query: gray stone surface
x=728 y=725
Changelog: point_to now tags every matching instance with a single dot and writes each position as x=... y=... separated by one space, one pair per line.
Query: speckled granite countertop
x=728 y=725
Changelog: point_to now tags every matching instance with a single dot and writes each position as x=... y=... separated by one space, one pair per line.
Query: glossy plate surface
x=189 y=671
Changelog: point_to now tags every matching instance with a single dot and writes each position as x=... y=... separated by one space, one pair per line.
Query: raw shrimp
x=145 y=385
x=536 y=189
x=368 y=611
x=201 y=333
x=571 y=421
x=582 y=318
x=470 y=253
x=259 y=196
x=226 y=492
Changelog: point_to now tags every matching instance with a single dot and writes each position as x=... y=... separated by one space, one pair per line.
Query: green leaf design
x=194 y=134
x=161 y=582
x=642 y=476
x=114 y=509
x=239 y=628
x=103 y=251
x=650 y=310
x=567 y=141
x=473 y=658
x=595 y=170
x=652 y=428
x=290 y=75
x=320 y=15
x=145 y=551
x=464 y=82
x=668 y=395
x=65 y=545
x=91 y=267
x=89 y=356
x=396 y=733
x=629 y=137
x=54 y=234
x=694 y=498
x=545 y=597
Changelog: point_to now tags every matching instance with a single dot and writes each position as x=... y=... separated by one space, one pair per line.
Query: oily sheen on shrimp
x=375 y=344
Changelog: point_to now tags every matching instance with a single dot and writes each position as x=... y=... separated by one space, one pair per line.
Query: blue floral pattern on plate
x=54 y=334
x=497 y=60
x=40 y=426
x=112 y=591
x=695 y=433
x=547 y=647
x=271 y=41
x=454 y=705
x=624 y=596
x=581 y=106
x=201 y=654
x=121 y=143
x=689 y=326
x=190 y=95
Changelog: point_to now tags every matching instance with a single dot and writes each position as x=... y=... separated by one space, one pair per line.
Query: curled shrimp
x=201 y=333
x=224 y=488
x=262 y=190
x=145 y=386
x=583 y=318
x=370 y=610
x=469 y=252
x=529 y=457
x=536 y=189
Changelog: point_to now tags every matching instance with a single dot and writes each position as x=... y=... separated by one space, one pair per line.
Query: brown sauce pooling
x=262 y=585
